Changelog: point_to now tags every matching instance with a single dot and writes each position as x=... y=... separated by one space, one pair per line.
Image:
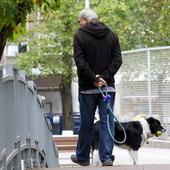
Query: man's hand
x=101 y=82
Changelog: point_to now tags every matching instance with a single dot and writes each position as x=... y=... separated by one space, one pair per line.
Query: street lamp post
x=87 y=4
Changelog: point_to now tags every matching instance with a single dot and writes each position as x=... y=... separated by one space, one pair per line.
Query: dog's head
x=155 y=126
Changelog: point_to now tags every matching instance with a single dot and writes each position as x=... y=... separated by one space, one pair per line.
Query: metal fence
x=25 y=132
x=143 y=85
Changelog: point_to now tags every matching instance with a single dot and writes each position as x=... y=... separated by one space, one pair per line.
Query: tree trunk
x=66 y=97
x=5 y=33
x=2 y=46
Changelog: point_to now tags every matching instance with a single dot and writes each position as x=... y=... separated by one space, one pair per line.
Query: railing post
x=18 y=147
x=149 y=82
x=36 y=161
x=29 y=161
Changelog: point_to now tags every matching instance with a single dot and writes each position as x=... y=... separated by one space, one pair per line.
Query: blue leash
x=106 y=99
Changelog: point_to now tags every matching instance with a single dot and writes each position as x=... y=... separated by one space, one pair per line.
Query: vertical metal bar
x=37 y=164
x=4 y=163
x=18 y=147
x=149 y=82
x=22 y=165
x=3 y=157
x=29 y=161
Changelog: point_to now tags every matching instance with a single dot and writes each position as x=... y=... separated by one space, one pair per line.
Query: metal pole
x=87 y=4
x=149 y=82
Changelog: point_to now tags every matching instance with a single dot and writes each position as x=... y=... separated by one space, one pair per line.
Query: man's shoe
x=74 y=159
x=108 y=163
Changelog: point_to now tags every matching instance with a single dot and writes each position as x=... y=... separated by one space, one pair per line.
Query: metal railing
x=25 y=131
x=143 y=85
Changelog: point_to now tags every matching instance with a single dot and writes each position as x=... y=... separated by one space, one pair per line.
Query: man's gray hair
x=88 y=14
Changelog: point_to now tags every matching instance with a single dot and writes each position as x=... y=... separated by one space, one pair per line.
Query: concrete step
x=121 y=167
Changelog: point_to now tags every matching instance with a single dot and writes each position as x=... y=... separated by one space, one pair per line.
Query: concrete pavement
x=151 y=157
x=117 y=167
x=122 y=157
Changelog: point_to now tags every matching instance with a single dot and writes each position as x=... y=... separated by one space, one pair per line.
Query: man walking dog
x=97 y=56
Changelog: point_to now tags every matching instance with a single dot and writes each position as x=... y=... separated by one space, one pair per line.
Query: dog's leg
x=95 y=158
x=134 y=155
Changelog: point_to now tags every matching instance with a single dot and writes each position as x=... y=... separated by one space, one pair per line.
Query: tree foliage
x=14 y=12
x=149 y=23
x=138 y=23
x=52 y=48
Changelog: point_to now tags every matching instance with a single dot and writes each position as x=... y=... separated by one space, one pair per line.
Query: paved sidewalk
x=122 y=157
x=123 y=167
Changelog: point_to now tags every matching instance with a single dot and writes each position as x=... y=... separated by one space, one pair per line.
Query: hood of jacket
x=96 y=29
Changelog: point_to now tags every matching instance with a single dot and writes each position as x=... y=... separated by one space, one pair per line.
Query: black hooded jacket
x=96 y=51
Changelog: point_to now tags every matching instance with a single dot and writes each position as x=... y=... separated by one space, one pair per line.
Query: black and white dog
x=138 y=133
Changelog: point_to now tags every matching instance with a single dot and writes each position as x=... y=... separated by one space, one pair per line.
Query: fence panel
x=160 y=85
x=132 y=85
x=143 y=84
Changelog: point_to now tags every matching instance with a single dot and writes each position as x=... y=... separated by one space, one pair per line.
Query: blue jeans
x=88 y=105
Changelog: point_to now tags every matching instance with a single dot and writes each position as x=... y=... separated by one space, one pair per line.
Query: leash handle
x=106 y=99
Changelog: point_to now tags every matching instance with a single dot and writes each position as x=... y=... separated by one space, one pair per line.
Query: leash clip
x=106 y=98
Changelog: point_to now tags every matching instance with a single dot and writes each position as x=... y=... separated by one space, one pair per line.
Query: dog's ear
x=150 y=119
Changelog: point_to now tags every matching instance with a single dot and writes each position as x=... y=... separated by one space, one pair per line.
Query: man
x=97 y=56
